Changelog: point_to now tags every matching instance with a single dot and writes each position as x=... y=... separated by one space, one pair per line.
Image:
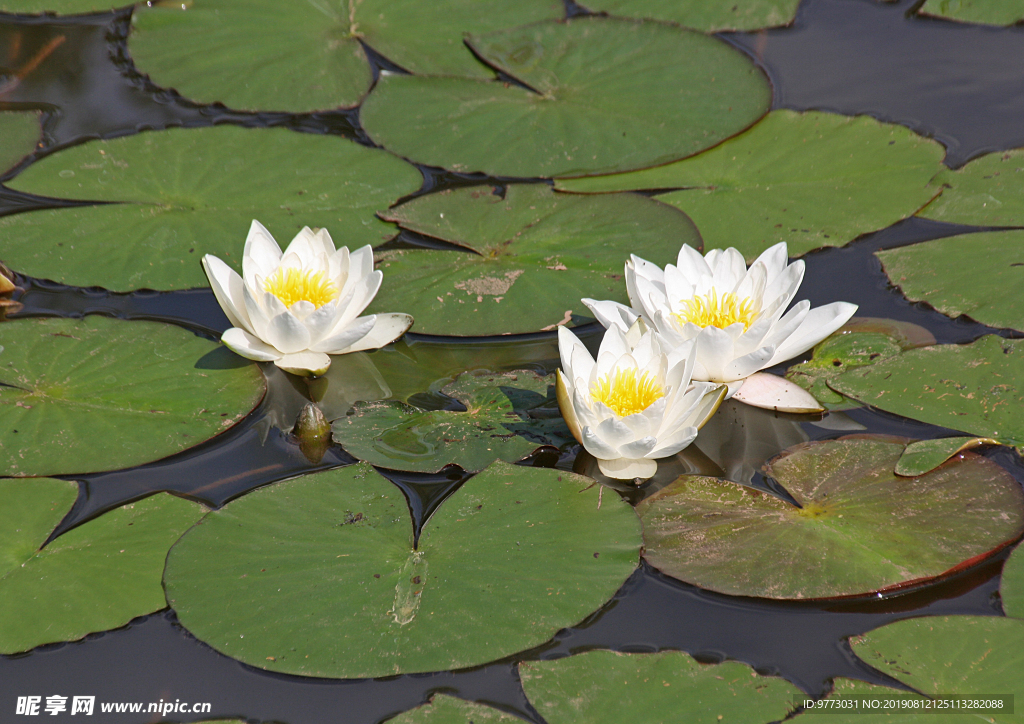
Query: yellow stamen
x=712 y=311
x=298 y=285
x=626 y=393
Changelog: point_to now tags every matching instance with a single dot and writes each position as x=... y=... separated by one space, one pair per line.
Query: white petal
x=638 y=448
x=596 y=446
x=774 y=259
x=624 y=469
x=338 y=267
x=611 y=313
x=228 y=289
x=776 y=393
x=781 y=290
x=730 y=269
x=306 y=247
x=677 y=287
x=818 y=324
x=361 y=262
x=563 y=393
x=287 y=333
x=714 y=353
x=692 y=265
x=386 y=329
x=261 y=254
x=321 y=322
x=246 y=345
x=613 y=344
x=674 y=442
x=363 y=292
x=323 y=238
x=304 y=364
x=647 y=270
x=257 y=316
x=302 y=309
x=748 y=364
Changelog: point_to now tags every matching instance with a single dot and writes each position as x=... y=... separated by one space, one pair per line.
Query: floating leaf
x=596 y=100
x=836 y=354
x=1011 y=589
x=395 y=435
x=971 y=388
x=990 y=12
x=921 y=457
x=855 y=710
x=985 y=192
x=979 y=275
x=84 y=395
x=20 y=132
x=256 y=57
x=809 y=179
x=95 y=577
x=973 y=657
x=322 y=576
x=444 y=709
x=195 y=192
x=710 y=17
x=606 y=687
x=861 y=528
x=537 y=254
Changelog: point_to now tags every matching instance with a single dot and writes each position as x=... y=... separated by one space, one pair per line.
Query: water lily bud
x=313 y=432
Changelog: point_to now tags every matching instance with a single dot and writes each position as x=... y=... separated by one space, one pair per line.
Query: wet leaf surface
x=85 y=395
x=318 y=576
x=702 y=15
x=394 y=435
x=925 y=455
x=606 y=687
x=809 y=179
x=985 y=192
x=861 y=528
x=836 y=354
x=596 y=101
x=95 y=577
x=19 y=134
x=192 y=192
x=536 y=254
x=444 y=709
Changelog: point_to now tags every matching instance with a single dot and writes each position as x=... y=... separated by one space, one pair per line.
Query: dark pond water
x=963 y=85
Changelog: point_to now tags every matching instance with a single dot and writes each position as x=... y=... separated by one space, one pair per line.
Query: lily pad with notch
x=809 y=179
x=20 y=131
x=445 y=709
x=985 y=192
x=711 y=17
x=861 y=529
x=594 y=95
x=972 y=388
x=530 y=256
x=493 y=426
x=324 y=576
x=607 y=687
x=189 y=192
x=978 y=275
x=95 y=577
x=86 y=395
x=925 y=455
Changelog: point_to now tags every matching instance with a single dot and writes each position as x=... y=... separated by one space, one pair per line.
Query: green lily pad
x=536 y=254
x=979 y=275
x=310 y=61
x=444 y=709
x=598 y=104
x=971 y=657
x=921 y=457
x=20 y=132
x=1011 y=589
x=972 y=387
x=989 y=12
x=95 y=577
x=322 y=576
x=985 y=192
x=852 y=707
x=84 y=395
x=834 y=355
x=711 y=17
x=394 y=435
x=194 y=192
x=606 y=687
x=809 y=179
x=60 y=7
x=861 y=529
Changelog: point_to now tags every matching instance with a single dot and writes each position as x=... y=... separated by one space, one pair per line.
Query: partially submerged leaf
x=444 y=709
x=925 y=455
x=710 y=17
x=861 y=528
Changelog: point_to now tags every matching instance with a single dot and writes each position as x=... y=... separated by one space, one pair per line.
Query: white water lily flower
x=295 y=308
x=736 y=316
x=636 y=403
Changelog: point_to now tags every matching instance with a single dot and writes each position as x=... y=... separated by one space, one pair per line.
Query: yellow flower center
x=711 y=310
x=298 y=285
x=625 y=393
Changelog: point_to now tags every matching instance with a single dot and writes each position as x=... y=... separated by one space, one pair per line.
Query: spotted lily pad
x=920 y=457
x=596 y=99
x=836 y=354
x=323 y=577
x=95 y=577
x=193 y=192
x=861 y=528
x=703 y=15
x=972 y=388
x=84 y=395
x=19 y=134
x=809 y=179
x=606 y=687
x=968 y=657
x=979 y=275
x=394 y=435
x=989 y=12
x=530 y=256
x=444 y=709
